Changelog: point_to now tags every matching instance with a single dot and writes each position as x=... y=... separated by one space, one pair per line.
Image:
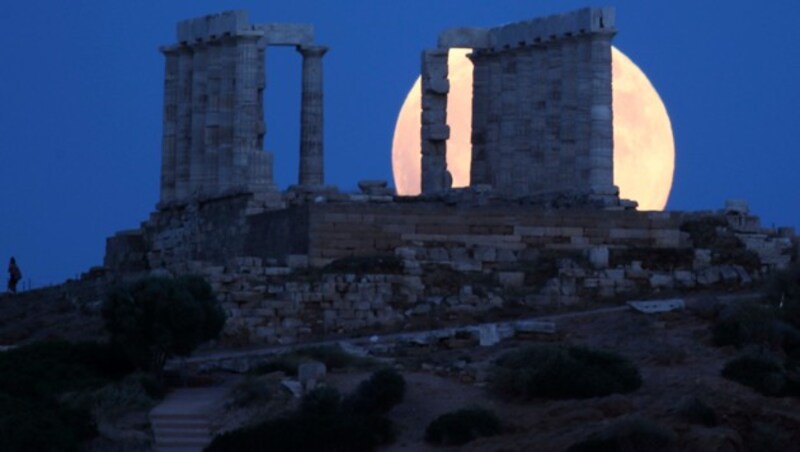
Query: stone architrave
x=311 y=118
x=435 y=130
x=541 y=105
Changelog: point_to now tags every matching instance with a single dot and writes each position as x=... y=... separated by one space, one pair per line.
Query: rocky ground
x=680 y=368
x=678 y=365
x=673 y=351
x=41 y=314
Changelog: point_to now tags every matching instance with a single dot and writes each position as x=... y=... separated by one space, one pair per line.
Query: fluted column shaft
x=311 y=118
x=170 y=125
x=247 y=114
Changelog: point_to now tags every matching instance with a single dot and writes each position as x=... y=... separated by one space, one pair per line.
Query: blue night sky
x=81 y=91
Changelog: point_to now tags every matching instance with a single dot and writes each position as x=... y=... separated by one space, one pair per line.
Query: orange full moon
x=644 y=148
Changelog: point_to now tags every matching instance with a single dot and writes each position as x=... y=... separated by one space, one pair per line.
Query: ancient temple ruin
x=541 y=107
x=213 y=132
x=313 y=262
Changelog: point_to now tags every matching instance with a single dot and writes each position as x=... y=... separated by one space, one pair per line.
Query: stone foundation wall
x=323 y=269
x=511 y=232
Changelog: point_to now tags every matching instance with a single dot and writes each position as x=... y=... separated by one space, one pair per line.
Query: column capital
x=312 y=51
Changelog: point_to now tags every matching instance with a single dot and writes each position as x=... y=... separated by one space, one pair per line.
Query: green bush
x=748 y=323
x=377 y=395
x=48 y=368
x=762 y=373
x=157 y=318
x=324 y=423
x=629 y=436
x=322 y=401
x=117 y=399
x=695 y=411
x=563 y=373
x=33 y=424
x=250 y=391
x=783 y=292
x=46 y=393
x=462 y=426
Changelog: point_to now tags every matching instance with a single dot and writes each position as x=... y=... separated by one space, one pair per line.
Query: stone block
x=228 y=22
x=508 y=36
x=438 y=86
x=465 y=38
x=728 y=273
x=598 y=257
x=702 y=259
x=744 y=277
x=511 y=279
x=294 y=261
x=736 y=206
x=310 y=374
x=685 y=278
x=535 y=326
x=708 y=276
x=656 y=306
x=603 y=19
x=435 y=132
x=488 y=335
x=661 y=281
x=287 y=34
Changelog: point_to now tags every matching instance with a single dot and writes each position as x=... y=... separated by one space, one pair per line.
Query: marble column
x=197 y=183
x=170 y=124
x=211 y=139
x=227 y=94
x=183 y=140
x=246 y=109
x=480 y=106
x=311 y=118
x=434 y=131
x=601 y=140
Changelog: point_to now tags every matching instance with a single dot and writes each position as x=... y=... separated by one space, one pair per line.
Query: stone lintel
x=465 y=38
x=530 y=32
x=287 y=34
x=214 y=25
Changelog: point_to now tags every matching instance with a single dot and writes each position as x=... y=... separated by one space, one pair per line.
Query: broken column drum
x=311 y=118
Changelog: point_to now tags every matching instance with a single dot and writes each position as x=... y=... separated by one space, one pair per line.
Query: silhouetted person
x=14 y=275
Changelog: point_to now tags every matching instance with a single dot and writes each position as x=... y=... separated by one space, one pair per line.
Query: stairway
x=182 y=421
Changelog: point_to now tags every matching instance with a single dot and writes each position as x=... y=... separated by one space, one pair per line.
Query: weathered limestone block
x=685 y=278
x=661 y=281
x=598 y=257
x=435 y=130
x=287 y=34
x=511 y=279
x=708 y=276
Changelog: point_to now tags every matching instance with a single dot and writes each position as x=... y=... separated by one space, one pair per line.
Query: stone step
x=194 y=440
x=181 y=422
x=163 y=431
x=181 y=446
